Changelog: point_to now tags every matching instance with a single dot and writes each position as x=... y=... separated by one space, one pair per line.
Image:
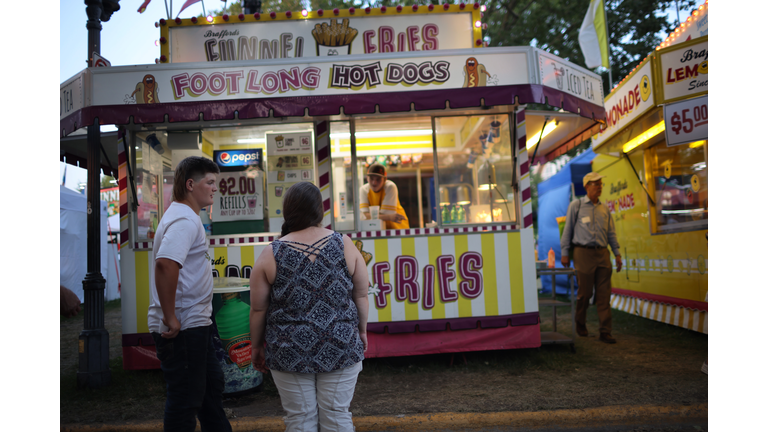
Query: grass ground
x=652 y=363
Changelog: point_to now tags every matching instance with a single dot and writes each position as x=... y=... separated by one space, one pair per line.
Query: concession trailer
x=277 y=98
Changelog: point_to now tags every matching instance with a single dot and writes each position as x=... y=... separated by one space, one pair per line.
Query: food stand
x=654 y=154
x=414 y=90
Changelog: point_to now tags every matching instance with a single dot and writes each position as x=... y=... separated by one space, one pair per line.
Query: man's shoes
x=581 y=330
x=607 y=338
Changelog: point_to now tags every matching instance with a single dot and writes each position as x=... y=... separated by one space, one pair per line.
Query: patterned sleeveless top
x=312 y=320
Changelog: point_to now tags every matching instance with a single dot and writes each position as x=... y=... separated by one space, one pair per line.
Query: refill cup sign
x=374 y=212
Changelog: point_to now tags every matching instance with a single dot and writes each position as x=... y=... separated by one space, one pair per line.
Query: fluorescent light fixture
x=383 y=134
x=698 y=210
x=363 y=145
x=251 y=140
x=643 y=137
x=531 y=143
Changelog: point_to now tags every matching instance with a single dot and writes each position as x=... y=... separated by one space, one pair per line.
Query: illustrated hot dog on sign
x=474 y=74
x=146 y=91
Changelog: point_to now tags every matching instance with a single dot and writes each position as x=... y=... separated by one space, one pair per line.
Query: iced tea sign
x=239 y=197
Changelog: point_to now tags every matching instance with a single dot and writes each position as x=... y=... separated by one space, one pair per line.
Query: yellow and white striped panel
x=508 y=275
x=137 y=268
x=690 y=319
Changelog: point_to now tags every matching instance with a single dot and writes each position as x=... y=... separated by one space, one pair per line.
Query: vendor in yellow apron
x=383 y=193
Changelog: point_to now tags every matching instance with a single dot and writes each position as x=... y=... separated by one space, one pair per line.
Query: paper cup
x=374 y=212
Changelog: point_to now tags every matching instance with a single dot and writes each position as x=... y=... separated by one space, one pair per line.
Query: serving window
x=474 y=169
x=149 y=189
x=448 y=171
x=452 y=170
x=679 y=178
x=342 y=175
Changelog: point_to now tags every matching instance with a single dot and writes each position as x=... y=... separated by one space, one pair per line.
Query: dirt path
x=641 y=369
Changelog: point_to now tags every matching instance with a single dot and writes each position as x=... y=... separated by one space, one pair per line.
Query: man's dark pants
x=194 y=381
x=593 y=268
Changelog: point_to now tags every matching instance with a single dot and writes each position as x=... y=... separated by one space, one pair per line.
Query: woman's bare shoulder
x=307 y=235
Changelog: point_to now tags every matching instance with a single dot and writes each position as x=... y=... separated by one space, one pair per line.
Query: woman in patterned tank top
x=309 y=306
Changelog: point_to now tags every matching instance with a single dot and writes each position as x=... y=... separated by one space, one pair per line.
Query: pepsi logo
x=224 y=158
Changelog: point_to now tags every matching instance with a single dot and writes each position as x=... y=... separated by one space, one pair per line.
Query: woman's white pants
x=318 y=401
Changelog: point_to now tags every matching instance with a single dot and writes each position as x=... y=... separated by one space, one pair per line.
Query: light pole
x=93 y=343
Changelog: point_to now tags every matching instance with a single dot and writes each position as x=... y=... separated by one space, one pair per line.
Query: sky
x=128 y=38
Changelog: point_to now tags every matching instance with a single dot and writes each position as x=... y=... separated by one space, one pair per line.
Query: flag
x=593 y=36
x=143 y=6
x=186 y=5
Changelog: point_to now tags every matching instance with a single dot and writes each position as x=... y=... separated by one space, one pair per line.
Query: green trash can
x=232 y=335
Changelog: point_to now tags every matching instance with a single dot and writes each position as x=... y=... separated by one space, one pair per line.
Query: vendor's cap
x=593 y=176
x=377 y=169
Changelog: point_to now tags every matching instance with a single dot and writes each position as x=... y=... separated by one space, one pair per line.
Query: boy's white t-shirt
x=180 y=237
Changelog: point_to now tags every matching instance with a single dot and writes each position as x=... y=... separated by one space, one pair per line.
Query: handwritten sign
x=240 y=196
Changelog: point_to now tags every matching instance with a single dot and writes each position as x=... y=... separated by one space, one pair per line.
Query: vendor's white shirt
x=180 y=237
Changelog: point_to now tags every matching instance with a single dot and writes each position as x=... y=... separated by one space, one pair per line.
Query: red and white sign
x=684 y=72
x=686 y=121
x=99 y=61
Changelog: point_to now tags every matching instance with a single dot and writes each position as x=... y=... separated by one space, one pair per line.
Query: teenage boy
x=180 y=309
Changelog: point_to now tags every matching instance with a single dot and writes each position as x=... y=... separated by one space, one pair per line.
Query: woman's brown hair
x=302 y=207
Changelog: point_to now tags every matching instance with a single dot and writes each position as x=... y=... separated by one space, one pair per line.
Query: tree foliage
x=553 y=25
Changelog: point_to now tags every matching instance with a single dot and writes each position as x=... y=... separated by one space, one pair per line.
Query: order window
x=679 y=179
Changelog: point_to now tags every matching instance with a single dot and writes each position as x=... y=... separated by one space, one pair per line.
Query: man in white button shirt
x=180 y=309
x=589 y=228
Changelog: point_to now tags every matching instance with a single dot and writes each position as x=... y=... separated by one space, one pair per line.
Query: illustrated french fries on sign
x=334 y=34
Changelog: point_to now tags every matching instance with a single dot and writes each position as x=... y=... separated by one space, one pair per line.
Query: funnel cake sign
x=332 y=35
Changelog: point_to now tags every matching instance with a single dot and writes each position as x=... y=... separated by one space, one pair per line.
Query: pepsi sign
x=234 y=158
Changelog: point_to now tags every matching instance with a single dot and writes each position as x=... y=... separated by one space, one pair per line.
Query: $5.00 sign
x=686 y=121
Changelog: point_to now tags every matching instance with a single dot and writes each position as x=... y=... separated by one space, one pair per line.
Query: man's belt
x=589 y=247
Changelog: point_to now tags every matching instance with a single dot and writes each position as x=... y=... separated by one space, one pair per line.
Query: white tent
x=73 y=245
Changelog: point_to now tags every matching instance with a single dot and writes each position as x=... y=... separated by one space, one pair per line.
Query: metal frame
x=554 y=337
x=479 y=112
